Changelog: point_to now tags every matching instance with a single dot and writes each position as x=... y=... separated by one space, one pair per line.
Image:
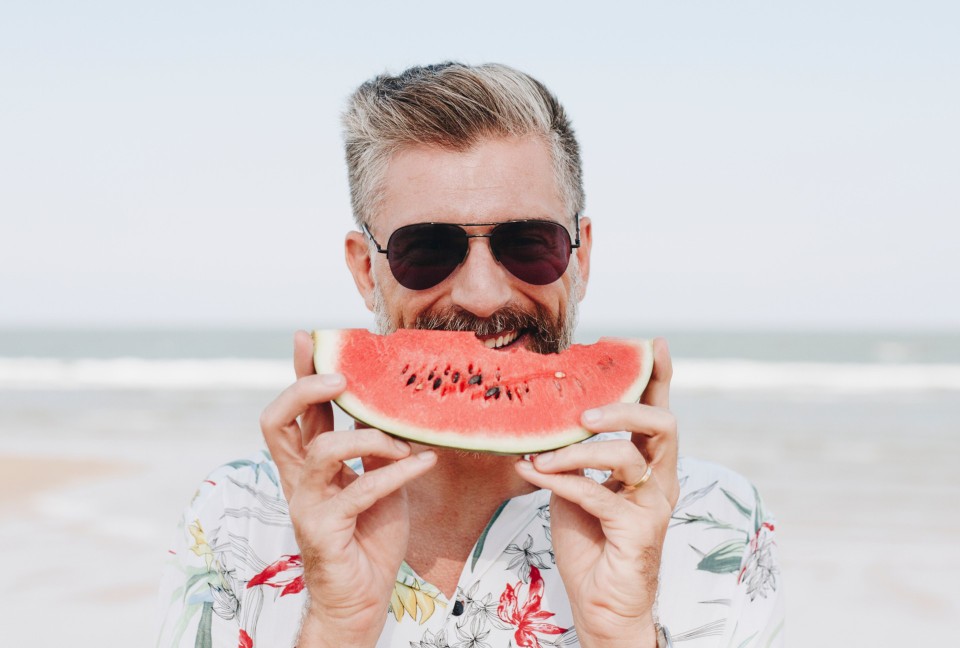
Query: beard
x=545 y=333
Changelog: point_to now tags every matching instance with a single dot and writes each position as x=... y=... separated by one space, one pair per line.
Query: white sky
x=747 y=163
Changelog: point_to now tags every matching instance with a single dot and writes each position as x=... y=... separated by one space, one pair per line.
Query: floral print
x=412 y=594
x=526 y=558
x=527 y=617
x=234 y=577
x=200 y=545
x=286 y=573
x=760 y=570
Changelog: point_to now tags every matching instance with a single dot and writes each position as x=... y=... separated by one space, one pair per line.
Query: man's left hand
x=608 y=538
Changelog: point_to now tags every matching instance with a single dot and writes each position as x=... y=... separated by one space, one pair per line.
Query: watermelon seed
x=406 y=368
x=470 y=368
x=559 y=374
x=509 y=394
x=430 y=377
x=446 y=372
x=493 y=391
x=437 y=383
x=498 y=374
x=456 y=376
x=419 y=387
x=475 y=380
x=411 y=379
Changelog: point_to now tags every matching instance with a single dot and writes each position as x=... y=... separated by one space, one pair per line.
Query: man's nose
x=481 y=285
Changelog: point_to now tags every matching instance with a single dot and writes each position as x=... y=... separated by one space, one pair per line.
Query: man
x=434 y=547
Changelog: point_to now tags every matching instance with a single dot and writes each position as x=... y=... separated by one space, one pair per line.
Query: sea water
x=839 y=362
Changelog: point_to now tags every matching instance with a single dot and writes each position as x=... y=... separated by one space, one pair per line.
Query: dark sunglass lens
x=533 y=251
x=423 y=255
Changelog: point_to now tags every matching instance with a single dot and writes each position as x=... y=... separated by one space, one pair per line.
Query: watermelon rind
x=327 y=344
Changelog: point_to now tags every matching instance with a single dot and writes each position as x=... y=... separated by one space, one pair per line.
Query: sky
x=747 y=164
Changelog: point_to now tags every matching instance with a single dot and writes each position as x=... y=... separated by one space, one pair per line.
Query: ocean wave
x=822 y=377
x=140 y=373
x=254 y=374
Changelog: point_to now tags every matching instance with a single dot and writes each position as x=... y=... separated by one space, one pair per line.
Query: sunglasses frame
x=573 y=244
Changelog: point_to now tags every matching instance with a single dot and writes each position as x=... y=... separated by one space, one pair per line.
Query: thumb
x=657 y=393
x=303 y=354
x=317 y=418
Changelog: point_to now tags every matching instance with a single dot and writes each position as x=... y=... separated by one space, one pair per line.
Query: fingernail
x=545 y=458
x=426 y=455
x=332 y=380
x=592 y=416
x=401 y=444
x=525 y=465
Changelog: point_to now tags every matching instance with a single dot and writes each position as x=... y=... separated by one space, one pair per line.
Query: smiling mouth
x=500 y=340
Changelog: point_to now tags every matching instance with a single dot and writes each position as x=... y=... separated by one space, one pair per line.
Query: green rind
x=327 y=342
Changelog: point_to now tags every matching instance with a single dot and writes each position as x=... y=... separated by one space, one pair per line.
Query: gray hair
x=452 y=105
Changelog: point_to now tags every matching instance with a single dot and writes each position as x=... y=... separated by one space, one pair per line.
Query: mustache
x=547 y=334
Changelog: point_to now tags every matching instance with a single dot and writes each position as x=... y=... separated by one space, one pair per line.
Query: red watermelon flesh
x=446 y=388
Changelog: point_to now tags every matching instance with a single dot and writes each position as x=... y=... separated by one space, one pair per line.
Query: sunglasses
x=424 y=254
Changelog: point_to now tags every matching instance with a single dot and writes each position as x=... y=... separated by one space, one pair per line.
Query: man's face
x=497 y=180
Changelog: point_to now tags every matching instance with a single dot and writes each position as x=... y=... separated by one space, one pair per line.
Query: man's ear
x=358 y=261
x=583 y=253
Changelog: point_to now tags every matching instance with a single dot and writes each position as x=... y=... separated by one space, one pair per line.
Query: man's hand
x=608 y=538
x=352 y=530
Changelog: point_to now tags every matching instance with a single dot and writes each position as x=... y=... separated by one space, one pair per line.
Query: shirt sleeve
x=720 y=581
x=759 y=602
x=192 y=586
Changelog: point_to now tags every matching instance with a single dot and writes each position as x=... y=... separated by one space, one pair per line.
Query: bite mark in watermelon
x=446 y=388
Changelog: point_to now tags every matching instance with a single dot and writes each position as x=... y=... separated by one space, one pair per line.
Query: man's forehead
x=496 y=179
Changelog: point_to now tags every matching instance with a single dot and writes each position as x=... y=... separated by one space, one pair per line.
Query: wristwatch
x=663 y=637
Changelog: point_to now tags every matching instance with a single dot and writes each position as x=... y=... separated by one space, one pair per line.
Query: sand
x=868 y=507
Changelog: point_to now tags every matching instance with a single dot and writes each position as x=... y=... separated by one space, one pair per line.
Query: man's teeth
x=503 y=340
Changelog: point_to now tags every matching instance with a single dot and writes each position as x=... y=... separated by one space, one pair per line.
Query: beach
x=96 y=466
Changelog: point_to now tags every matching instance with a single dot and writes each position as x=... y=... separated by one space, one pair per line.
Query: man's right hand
x=352 y=529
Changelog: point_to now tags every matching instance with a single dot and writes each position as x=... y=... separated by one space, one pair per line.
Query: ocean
x=842 y=362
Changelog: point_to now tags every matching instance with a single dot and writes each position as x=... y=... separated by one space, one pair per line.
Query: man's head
x=452 y=106
x=471 y=148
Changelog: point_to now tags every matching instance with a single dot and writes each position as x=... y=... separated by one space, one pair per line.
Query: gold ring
x=629 y=488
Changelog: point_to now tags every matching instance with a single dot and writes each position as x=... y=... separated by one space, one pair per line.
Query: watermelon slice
x=446 y=388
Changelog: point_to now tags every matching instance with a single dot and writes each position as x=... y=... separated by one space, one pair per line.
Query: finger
x=654 y=433
x=303 y=354
x=653 y=429
x=594 y=498
x=607 y=506
x=372 y=486
x=620 y=457
x=373 y=463
x=657 y=392
x=278 y=421
x=328 y=452
x=629 y=485
x=631 y=417
x=283 y=443
x=318 y=418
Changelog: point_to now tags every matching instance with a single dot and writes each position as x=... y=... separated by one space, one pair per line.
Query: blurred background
x=773 y=188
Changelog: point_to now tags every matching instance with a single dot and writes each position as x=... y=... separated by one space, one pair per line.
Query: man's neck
x=451 y=505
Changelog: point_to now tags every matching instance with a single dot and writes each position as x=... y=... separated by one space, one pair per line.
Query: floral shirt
x=234 y=577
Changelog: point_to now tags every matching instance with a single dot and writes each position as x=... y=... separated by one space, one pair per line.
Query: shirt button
x=458 y=608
